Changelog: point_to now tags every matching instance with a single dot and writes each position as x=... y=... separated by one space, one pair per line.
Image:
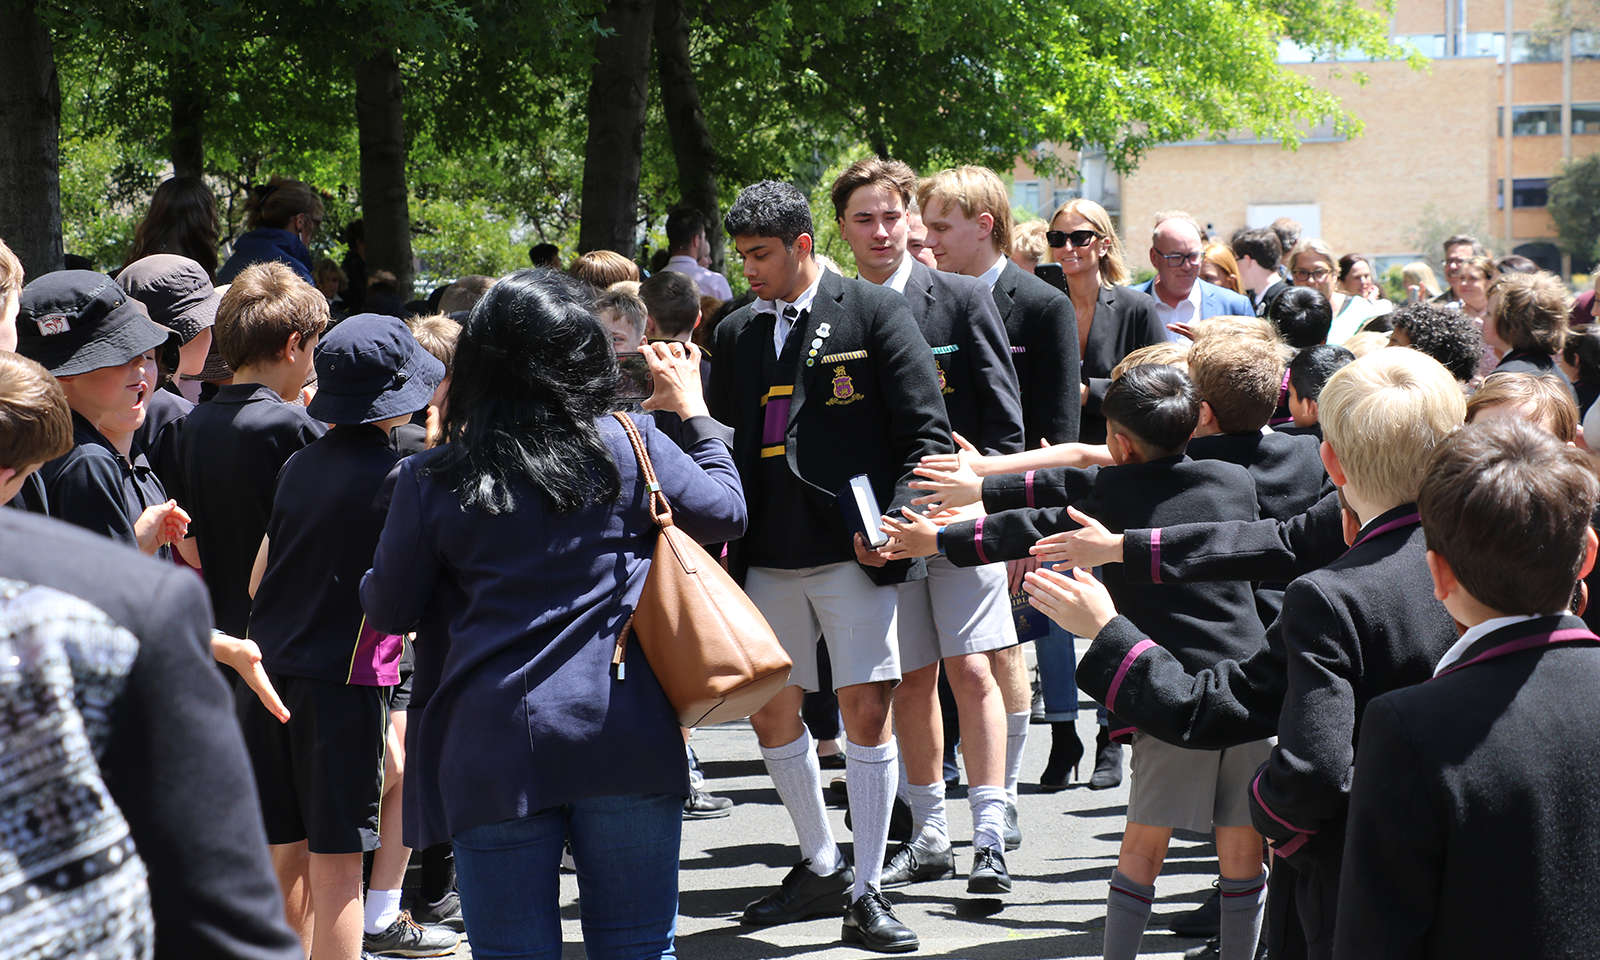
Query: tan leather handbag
x=711 y=649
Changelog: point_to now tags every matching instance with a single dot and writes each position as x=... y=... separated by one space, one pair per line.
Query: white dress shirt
x=991 y=276
x=1476 y=633
x=1187 y=310
x=708 y=282
x=802 y=303
x=902 y=273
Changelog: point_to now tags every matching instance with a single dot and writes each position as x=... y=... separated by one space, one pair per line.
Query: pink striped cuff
x=1027 y=486
x=1255 y=791
x=1289 y=849
x=1155 y=555
x=1122 y=671
x=977 y=540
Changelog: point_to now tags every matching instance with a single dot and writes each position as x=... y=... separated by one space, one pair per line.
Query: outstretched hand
x=913 y=535
x=1078 y=604
x=1091 y=545
x=160 y=525
x=245 y=659
x=952 y=478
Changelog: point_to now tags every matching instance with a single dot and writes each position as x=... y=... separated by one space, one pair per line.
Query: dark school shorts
x=400 y=694
x=319 y=776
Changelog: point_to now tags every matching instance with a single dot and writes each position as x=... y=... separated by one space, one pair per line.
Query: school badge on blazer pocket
x=944 y=380
x=844 y=389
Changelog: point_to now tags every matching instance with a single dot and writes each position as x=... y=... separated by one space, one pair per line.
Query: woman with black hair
x=520 y=546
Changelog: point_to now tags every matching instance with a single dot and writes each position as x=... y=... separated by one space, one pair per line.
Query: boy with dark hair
x=673 y=303
x=1150 y=413
x=1448 y=336
x=1308 y=372
x=1303 y=317
x=956 y=617
x=320 y=774
x=1258 y=250
x=233 y=446
x=823 y=378
x=100 y=345
x=1485 y=770
x=688 y=245
x=1358 y=627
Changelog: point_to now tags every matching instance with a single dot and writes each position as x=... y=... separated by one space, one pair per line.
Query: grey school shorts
x=956 y=611
x=1192 y=789
x=841 y=604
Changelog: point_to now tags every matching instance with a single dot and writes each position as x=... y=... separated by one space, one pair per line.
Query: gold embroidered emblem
x=944 y=382
x=844 y=389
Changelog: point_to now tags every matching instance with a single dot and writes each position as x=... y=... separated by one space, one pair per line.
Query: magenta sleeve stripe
x=1122 y=671
x=977 y=540
x=1255 y=790
x=1155 y=555
x=1289 y=849
x=1027 y=486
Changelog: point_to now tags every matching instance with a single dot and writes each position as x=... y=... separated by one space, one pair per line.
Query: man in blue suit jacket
x=1176 y=249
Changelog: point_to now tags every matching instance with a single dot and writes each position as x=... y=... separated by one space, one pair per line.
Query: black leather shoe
x=1213 y=950
x=988 y=872
x=1065 y=752
x=802 y=895
x=870 y=922
x=899 y=820
x=1203 y=921
x=703 y=806
x=910 y=865
x=1013 y=832
x=1107 y=762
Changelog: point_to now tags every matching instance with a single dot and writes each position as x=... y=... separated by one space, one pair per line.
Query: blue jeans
x=1058 y=674
x=626 y=849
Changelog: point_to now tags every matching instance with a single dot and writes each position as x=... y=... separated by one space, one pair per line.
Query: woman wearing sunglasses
x=1112 y=319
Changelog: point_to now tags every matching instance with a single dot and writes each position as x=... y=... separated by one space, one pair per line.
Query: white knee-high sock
x=798 y=777
x=869 y=775
x=1016 y=739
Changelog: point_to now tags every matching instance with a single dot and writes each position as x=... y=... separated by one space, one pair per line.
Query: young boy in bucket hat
x=100 y=345
x=320 y=774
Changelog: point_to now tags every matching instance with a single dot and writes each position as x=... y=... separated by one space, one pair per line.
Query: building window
x=1062 y=195
x=1586 y=44
x=1483 y=45
x=1026 y=195
x=1533 y=192
x=1430 y=45
x=1586 y=118
x=1534 y=121
x=1535 y=48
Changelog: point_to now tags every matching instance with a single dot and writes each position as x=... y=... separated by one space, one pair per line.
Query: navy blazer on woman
x=1124 y=320
x=523 y=711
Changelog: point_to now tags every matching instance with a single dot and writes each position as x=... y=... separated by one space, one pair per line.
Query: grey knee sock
x=1243 y=903
x=1127 y=913
x=798 y=777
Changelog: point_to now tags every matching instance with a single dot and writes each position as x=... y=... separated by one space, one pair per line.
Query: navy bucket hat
x=371 y=368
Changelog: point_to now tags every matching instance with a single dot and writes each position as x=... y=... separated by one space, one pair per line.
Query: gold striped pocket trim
x=841 y=357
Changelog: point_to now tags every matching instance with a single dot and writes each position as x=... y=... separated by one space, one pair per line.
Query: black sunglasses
x=1078 y=238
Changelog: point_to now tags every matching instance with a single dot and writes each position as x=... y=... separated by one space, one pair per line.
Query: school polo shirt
x=326 y=519
x=232 y=448
x=157 y=438
x=95 y=487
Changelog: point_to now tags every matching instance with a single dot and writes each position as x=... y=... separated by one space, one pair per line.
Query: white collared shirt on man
x=781 y=326
x=709 y=282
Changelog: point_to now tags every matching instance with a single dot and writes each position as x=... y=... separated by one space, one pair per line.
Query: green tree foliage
x=1575 y=207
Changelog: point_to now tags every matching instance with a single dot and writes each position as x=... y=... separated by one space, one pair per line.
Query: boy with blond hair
x=1364 y=624
x=35 y=421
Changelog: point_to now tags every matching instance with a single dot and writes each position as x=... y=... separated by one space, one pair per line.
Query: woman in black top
x=1527 y=324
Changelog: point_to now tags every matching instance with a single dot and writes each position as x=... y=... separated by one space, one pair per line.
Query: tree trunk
x=618 y=86
x=385 y=201
x=686 y=123
x=187 y=101
x=30 y=149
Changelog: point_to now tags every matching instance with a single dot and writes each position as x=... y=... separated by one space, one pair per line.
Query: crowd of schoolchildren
x=1335 y=594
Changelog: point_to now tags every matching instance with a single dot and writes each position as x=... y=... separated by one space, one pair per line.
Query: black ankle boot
x=1066 y=750
x=1107 y=762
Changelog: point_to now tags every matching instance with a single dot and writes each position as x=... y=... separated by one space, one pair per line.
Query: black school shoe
x=1203 y=921
x=870 y=922
x=900 y=820
x=989 y=873
x=802 y=895
x=1107 y=762
x=1213 y=949
x=704 y=806
x=406 y=937
x=910 y=865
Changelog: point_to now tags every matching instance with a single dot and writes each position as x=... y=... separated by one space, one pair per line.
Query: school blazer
x=1287 y=470
x=1215 y=301
x=1198 y=623
x=1124 y=320
x=971 y=355
x=868 y=403
x=1043 y=332
x=1474 y=825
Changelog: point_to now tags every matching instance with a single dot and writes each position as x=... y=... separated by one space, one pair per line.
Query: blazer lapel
x=920 y=283
x=1005 y=290
x=824 y=309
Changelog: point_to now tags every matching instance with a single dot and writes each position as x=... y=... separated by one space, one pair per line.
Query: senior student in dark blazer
x=823 y=378
x=954 y=617
x=968 y=214
x=518 y=693
x=1472 y=824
